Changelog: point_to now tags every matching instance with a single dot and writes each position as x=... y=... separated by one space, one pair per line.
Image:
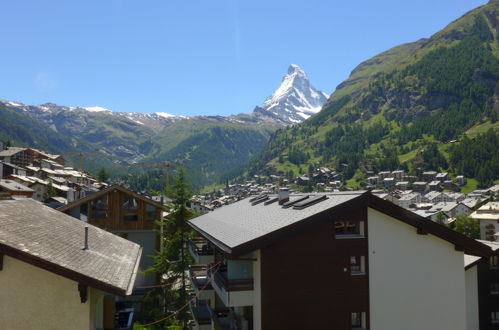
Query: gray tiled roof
x=11 y=151
x=239 y=223
x=37 y=232
x=10 y=185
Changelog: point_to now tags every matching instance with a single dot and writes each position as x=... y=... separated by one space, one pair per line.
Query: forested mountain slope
x=397 y=104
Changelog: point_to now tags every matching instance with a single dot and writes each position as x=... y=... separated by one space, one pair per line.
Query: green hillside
x=410 y=99
x=208 y=146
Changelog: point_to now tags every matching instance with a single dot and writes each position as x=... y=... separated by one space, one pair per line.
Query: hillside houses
x=41 y=171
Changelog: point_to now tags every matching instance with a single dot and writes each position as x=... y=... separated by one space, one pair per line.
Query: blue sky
x=196 y=57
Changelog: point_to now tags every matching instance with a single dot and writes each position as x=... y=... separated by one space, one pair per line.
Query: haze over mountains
x=140 y=137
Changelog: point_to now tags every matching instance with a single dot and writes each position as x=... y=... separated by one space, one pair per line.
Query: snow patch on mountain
x=96 y=109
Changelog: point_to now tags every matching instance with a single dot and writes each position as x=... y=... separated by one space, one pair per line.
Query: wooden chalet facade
x=126 y=214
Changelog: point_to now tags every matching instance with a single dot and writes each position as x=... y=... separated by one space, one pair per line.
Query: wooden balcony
x=201 y=251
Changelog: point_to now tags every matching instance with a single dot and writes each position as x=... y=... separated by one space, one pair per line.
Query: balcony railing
x=199 y=277
x=200 y=250
x=201 y=311
x=221 y=280
x=200 y=246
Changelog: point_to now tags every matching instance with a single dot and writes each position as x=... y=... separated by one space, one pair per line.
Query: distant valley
x=208 y=145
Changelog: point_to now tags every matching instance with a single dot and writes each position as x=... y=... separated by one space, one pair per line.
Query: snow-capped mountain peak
x=295 y=100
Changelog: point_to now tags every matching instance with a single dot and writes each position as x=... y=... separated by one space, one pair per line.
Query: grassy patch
x=408 y=156
x=482 y=128
x=471 y=185
x=210 y=188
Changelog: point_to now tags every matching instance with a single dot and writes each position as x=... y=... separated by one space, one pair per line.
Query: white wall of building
x=484 y=230
x=33 y=298
x=416 y=281
x=146 y=239
x=472 y=320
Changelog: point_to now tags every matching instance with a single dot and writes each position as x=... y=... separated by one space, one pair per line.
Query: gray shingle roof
x=10 y=185
x=11 y=151
x=53 y=240
x=240 y=223
x=240 y=228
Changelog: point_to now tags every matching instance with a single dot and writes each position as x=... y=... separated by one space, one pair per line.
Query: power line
x=189 y=301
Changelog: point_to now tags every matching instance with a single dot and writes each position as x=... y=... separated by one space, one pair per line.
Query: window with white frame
x=494 y=317
x=357 y=265
x=494 y=262
x=494 y=288
x=348 y=229
x=358 y=320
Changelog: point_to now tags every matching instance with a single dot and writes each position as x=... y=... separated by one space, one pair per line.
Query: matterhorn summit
x=295 y=100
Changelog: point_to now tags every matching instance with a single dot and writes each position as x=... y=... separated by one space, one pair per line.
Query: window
x=100 y=208
x=358 y=320
x=494 y=262
x=130 y=208
x=345 y=229
x=494 y=317
x=151 y=212
x=357 y=265
x=494 y=288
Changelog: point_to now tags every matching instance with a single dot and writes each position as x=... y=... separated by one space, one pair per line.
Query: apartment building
x=327 y=261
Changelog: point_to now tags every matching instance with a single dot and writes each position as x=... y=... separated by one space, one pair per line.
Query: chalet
x=15 y=189
x=461 y=180
x=7 y=169
x=441 y=176
x=126 y=214
x=473 y=202
x=17 y=156
x=402 y=185
x=420 y=187
x=451 y=209
x=384 y=174
x=398 y=175
x=434 y=186
x=429 y=176
x=488 y=216
x=449 y=185
x=329 y=261
x=407 y=200
x=57 y=272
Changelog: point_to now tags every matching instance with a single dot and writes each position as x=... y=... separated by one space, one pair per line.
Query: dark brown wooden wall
x=304 y=284
x=487 y=303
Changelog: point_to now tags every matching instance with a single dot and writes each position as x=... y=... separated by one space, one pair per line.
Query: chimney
x=283 y=195
x=85 y=246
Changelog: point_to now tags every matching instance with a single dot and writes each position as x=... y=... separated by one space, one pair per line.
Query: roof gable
x=103 y=192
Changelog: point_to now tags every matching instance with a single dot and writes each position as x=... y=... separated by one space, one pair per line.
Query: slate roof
x=10 y=185
x=241 y=227
x=11 y=151
x=470 y=261
x=46 y=238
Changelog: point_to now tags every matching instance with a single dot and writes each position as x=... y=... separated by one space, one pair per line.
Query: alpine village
x=375 y=207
